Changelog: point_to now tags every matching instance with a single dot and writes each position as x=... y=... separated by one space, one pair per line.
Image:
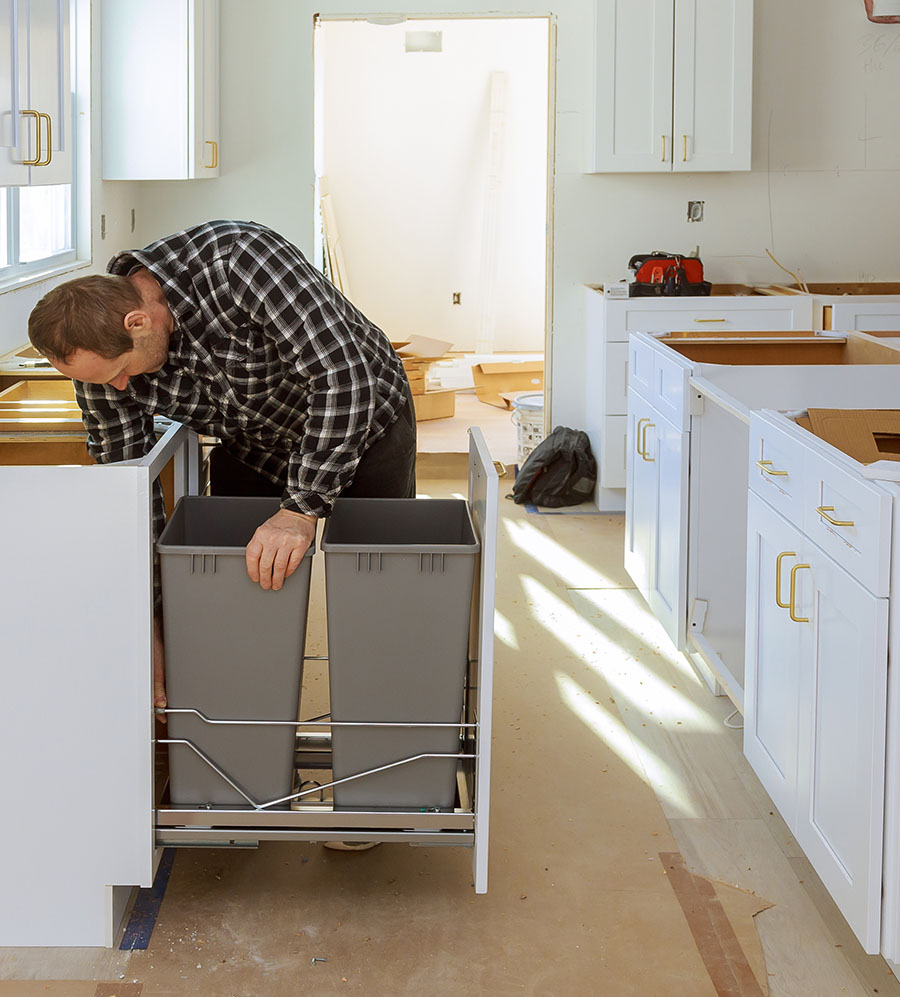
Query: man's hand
x=159 y=669
x=277 y=548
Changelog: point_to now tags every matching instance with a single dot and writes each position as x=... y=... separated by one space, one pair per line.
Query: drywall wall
x=435 y=190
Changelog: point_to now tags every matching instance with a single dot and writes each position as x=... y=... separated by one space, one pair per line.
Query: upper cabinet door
x=633 y=86
x=203 y=78
x=160 y=122
x=35 y=93
x=50 y=89
x=713 y=84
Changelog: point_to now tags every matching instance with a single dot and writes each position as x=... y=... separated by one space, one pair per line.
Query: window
x=36 y=228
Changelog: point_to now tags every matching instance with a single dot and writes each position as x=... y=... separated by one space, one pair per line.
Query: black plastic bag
x=561 y=470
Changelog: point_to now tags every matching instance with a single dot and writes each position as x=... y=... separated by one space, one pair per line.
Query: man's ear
x=136 y=322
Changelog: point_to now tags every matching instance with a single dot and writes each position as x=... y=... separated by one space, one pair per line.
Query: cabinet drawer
x=776 y=469
x=849 y=518
x=612 y=457
x=614 y=376
x=713 y=316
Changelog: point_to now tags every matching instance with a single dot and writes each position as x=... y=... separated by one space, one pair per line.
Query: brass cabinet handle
x=637 y=437
x=823 y=511
x=710 y=320
x=663 y=159
x=46 y=162
x=766 y=465
x=791 y=610
x=778 y=560
x=684 y=150
x=37 y=132
x=643 y=452
x=215 y=155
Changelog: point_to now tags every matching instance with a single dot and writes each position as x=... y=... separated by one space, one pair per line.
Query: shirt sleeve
x=118 y=429
x=313 y=328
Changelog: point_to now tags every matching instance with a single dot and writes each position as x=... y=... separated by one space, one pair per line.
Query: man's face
x=84 y=365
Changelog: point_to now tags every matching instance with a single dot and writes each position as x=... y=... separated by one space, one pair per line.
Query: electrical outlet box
x=695 y=211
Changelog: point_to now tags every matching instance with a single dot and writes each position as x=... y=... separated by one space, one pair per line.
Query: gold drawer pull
x=215 y=155
x=791 y=610
x=49 y=120
x=710 y=320
x=778 y=560
x=766 y=465
x=663 y=157
x=823 y=511
x=684 y=149
x=26 y=113
x=643 y=447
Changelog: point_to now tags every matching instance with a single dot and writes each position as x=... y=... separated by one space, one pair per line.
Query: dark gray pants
x=387 y=468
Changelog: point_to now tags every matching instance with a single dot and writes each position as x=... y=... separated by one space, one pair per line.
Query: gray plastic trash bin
x=398 y=577
x=233 y=651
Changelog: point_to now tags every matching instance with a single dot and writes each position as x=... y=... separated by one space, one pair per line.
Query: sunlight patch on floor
x=505 y=631
x=616 y=664
x=570 y=568
x=645 y=764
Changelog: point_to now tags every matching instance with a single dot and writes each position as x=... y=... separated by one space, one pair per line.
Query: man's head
x=103 y=329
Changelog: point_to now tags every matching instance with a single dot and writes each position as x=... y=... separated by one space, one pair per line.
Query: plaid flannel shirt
x=266 y=355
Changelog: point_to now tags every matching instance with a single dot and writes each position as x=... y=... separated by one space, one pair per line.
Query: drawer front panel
x=850 y=519
x=776 y=469
x=719 y=316
x=616 y=366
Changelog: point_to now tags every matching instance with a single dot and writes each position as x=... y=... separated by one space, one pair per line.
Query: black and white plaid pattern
x=266 y=354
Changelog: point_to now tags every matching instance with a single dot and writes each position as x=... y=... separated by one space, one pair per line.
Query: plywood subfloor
x=609 y=753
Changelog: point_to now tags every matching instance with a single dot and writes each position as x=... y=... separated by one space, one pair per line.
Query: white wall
x=407 y=156
x=830 y=204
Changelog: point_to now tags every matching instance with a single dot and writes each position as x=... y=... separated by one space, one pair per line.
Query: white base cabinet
x=610 y=321
x=685 y=540
x=815 y=721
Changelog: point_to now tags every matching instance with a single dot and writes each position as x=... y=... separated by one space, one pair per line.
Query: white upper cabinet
x=673 y=85
x=35 y=93
x=160 y=89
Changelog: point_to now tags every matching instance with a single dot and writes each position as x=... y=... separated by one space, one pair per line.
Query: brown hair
x=87 y=313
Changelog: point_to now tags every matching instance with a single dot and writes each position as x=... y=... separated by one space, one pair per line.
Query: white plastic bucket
x=528 y=418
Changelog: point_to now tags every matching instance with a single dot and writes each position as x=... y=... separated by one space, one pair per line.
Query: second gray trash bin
x=233 y=652
x=398 y=576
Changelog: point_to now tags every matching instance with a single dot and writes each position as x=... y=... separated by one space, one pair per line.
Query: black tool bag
x=658 y=275
x=561 y=470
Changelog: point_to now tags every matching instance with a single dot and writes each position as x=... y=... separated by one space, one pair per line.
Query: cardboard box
x=434 y=405
x=493 y=378
x=866 y=435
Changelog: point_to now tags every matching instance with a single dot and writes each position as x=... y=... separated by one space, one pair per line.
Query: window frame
x=15 y=272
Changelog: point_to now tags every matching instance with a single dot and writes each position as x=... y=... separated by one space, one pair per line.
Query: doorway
x=432 y=159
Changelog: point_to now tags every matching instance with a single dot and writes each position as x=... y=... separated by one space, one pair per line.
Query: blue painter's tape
x=146 y=906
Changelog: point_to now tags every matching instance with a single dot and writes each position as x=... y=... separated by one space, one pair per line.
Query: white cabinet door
x=713 y=87
x=640 y=495
x=772 y=659
x=160 y=125
x=842 y=740
x=50 y=89
x=633 y=86
x=16 y=131
x=35 y=93
x=656 y=514
x=203 y=105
